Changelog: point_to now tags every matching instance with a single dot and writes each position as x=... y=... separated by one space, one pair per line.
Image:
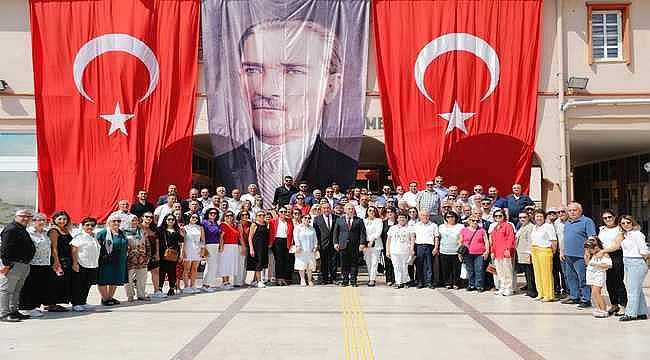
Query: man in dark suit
x=349 y=239
x=324 y=226
x=287 y=117
x=283 y=193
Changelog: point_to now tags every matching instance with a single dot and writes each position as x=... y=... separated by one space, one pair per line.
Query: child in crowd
x=596 y=274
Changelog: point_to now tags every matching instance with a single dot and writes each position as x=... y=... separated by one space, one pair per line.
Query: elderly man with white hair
x=16 y=252
x=349 y=238
x=576 y=231
x=123 y=214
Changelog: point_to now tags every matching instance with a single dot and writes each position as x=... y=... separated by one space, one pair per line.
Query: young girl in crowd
x=596 y=274
x=192 y=247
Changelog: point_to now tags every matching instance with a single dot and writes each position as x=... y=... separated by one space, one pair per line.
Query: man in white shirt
x=475 y=199
x=205 y=199
x=164 y=209
x=329 y=196
x=558 y=217
x=411 y=196
x=123 y=214
x=234 y=203
x=427 y=240
x=250 y=195
x=337 y=194
x=362 y=207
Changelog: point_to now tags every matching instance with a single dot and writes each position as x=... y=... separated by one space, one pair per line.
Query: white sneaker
x=260 y=285
x=228 y=287
x=35 y=313
x=498 y=293
x=507 y=292
x=209 y=289
x=78 y=308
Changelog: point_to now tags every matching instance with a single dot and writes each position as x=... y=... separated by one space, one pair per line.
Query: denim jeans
x=575 y=272
x=475 y=273
x=636 y=270
x=424 y=263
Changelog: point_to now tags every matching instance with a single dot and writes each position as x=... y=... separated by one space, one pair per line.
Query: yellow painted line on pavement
x=357 y=341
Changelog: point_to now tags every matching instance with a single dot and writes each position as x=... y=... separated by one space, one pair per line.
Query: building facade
x=592 y=141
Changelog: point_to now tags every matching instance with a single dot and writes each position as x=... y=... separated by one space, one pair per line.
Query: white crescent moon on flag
x=115 y=42
x=457 y=42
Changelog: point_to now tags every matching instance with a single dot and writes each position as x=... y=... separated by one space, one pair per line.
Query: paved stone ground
x=327 y=322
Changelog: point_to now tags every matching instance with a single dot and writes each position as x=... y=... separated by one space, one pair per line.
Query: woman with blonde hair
x=635 y=251
x=112 y=260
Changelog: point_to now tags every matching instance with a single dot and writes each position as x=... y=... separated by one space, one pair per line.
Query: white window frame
x=619 y=23
x=21 y=163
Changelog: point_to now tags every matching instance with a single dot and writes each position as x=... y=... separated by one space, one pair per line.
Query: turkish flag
x=115 y=84
x=458 y=82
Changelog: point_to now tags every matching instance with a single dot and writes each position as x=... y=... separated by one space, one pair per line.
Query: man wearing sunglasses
x=16 y=252
x=284 y=192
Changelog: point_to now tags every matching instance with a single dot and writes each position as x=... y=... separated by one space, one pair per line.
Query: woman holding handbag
x=170 y=239
x=475 y=240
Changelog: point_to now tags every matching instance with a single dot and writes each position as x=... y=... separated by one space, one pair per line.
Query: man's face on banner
x=287 y=81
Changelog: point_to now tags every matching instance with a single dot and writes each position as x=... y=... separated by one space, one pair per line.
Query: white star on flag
x=456 y=119
x=117 y=120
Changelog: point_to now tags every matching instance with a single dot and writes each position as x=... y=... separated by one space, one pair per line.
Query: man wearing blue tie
x=349 y=240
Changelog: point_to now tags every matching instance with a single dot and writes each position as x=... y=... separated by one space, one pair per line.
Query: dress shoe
x=10 y=318
x=345 y=283
x=627 y=318
x=371 y=284
x=570 y=301
x=642 y=317
x=470 y=288
x=420 y=286
x=431 y=286
x=20 y=316
x=583 y=305
x=354 y=284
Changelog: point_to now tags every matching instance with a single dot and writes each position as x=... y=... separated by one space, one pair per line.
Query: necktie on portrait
x=349 y=224
x=269 y=175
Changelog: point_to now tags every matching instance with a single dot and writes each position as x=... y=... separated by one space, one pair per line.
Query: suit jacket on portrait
x=354 y=236
x=323 y=233
x=324 y=166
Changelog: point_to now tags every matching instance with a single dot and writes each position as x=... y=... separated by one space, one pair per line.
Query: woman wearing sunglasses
x=305 y=241
x=258 y=253
x=611 y=236
x=149 y=232
x=635 y=251
x=213 y=234
x=502 y=240
x=229 y=250
x=170 y=238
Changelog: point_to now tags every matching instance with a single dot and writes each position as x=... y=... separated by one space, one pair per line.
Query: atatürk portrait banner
x=286 y=82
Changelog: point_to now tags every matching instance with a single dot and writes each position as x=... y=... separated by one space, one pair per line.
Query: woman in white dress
x=372 y=252
x=191 y=254
x=399 y=247
x=305 y=241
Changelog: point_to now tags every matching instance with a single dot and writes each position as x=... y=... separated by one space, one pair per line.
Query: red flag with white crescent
x=115 y=84
x=458 y=82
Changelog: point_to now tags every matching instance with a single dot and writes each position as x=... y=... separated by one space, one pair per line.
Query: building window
x=608 y=27
x=18 y=180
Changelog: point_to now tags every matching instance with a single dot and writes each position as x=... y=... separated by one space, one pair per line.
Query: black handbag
x=464 y=250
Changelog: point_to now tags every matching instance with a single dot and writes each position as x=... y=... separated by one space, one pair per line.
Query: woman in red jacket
x=280 y=241
x=502 y=238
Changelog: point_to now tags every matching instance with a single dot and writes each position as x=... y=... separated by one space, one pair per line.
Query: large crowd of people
x=426 y=238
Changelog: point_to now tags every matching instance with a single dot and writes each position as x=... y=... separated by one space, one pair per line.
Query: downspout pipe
x=564 y=147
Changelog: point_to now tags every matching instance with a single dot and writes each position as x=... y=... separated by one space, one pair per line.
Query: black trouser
x=389 y=272
x=282 y=261
x=34 y=292
x=81 y=283
x=614 y=279
x=327 y=263
x=488 y=282
x=424 y=263
x=350 y=263
x=559 y=281
x=531 y=288
x=450 y=269
x=168 y=268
